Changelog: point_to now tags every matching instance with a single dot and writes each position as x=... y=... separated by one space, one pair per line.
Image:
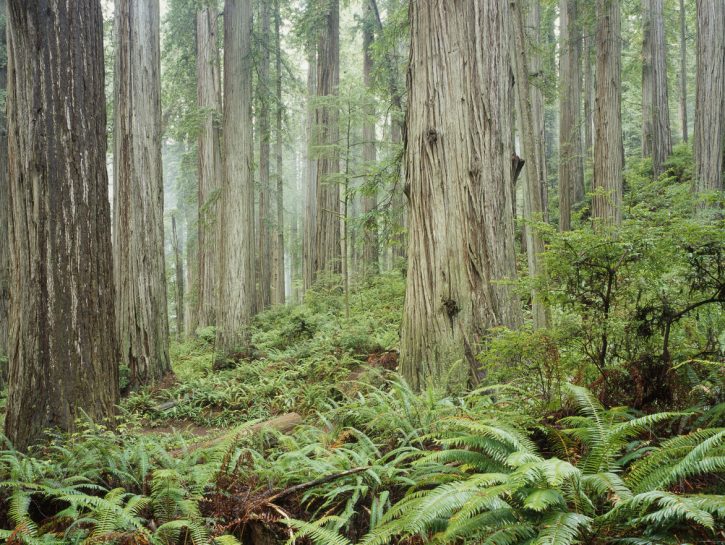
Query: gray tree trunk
x=533 y=153
x=210 y=170
x=138 y=233
x=371 y=249
x=608 y=147
x=683 y=72
x=279 y=268
x=710 y=99
x=458 y=160
x=571 y=165
x=588 y=48
x=4 y=240
x=328 y=252
x=63 y=350
x=536 y=77
x=236 y=258
x=656 y=136
x=264 y=218
x=310 y=216
x=179 y=284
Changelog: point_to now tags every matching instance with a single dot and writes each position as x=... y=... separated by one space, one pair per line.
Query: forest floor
x=303 y=357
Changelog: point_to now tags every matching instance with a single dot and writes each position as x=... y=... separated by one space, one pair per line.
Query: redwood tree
x=328 y=256
x=63 y=351
x=208 y=94
x=608 y=147
x=458 y=164
x=138 y=233
x=656 y=136
x=4 y=250
x=710 y=100
x=571 y=165
x=236 y=257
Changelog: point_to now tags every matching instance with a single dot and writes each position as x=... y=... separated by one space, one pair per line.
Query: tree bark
x=279 y=274
x=656 y=136
x=63 y=351
x=328 y=252
x=138 y=234
x=4 y=239
x=179 y=285
x=571 y=166
x=683 y=72
x=534 y=166
x=209 y=167
x=608 y=147
x=588 y=47
x=458 y=160
x=236 y=263
x=371 y=249
x=264 y=254
x=310 y=217
x=710 y=100
x=536 y=77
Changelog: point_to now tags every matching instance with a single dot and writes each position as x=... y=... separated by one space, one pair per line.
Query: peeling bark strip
x=236 y=249
x=458 y=162
x=138 y=234
x=710 y=101
x=208 y=94
x=656 y=137
x=63 y=357
x=608 y=146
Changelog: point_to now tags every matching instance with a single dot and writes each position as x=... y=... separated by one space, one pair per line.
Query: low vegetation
x=605 y=428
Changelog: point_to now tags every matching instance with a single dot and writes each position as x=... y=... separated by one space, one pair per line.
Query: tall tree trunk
x=179 y=284
x=264 y=216
x=588 y=47
x=656 y=136
x=398 y=199
x=309 y=250
x=458 y=161
x=63 y=350
x=536 y=75
x=4 y=240
x=608 y=147
x=371 y=248
x=236 y=258
x=328 y=256
x=534 y=156
x=210 y=172
x=710 y=99
x=138 y=234
x=683 y=71
x=571 y=166
x=279 y=274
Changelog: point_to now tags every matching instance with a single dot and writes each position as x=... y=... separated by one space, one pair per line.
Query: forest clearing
x=370 y=272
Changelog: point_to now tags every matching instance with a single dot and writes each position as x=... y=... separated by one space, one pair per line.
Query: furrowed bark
x=608 y=147
x=571 y=166
x=656 y=137
x=458 y=160
x=138 y=234
x=209 y=163
x=328 y=252
x=710 y=100
x=236 y=258
x=371 y=249
x=63 y=351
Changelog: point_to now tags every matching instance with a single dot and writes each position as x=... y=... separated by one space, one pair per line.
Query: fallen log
x=283 y=424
